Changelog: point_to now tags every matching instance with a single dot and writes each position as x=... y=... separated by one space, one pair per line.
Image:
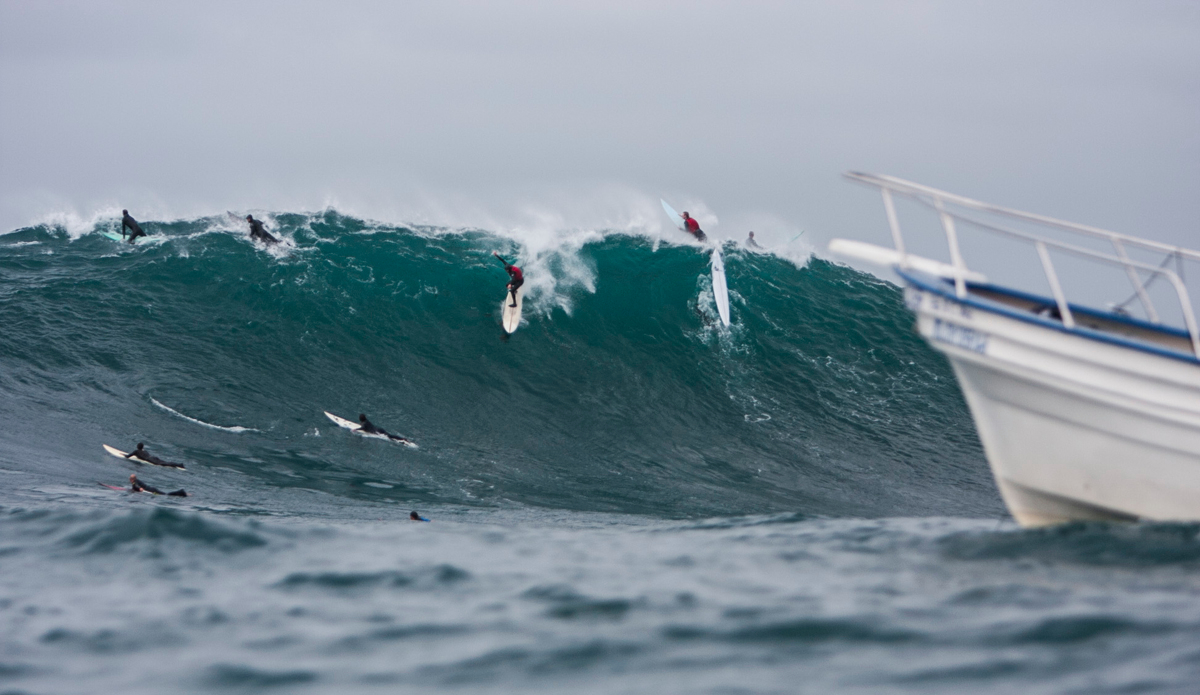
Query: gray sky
x=580 y=114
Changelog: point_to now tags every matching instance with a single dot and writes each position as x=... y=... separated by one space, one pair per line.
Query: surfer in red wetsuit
x=693 y=227
x=515 y=277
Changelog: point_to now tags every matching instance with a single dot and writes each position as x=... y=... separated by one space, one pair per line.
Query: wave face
x=619 y=393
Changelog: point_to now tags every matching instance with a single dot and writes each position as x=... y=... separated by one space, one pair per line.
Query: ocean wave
x=619 y=393
x=235 y=428
x=157 y=526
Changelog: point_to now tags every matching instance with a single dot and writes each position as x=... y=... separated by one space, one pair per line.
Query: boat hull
x=1074 y=427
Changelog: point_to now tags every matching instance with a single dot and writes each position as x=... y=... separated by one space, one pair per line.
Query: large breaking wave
x=619 y=393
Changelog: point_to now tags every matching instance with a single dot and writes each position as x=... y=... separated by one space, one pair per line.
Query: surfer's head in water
x=362 y=417
x=413 y=516
x=141 y=446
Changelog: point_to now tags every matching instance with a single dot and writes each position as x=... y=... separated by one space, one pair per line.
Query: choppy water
x=625 y=497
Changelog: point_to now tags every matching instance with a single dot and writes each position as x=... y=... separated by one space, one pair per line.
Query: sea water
x=626 y=497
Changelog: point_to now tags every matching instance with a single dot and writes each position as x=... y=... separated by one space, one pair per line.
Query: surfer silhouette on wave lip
x=693 y=227
x=140 y=453
x=751 y=243
x=135 y=229
x=515 y=276
x=257 y=231
x=365 y=425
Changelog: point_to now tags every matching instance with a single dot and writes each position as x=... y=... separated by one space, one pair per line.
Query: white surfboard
x=357 y=428
x=116 y=236
x=510 y=316
x=675 y=216
x=720 y=289
x=122 y=455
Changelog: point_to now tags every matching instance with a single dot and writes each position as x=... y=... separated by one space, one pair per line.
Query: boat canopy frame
x=938 y=201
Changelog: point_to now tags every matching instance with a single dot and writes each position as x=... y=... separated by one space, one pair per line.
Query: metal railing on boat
x=939 y=200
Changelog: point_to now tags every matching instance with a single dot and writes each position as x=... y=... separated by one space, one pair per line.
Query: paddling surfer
x=258 y=232
x=136 y=485
x=413 y=516
x=127 y=222
x=364 y=425
x=693 y=227
x=515 y=278
x=141 y=454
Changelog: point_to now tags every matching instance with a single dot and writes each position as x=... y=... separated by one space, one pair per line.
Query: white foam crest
x=777 y=237
x=552 y=266
x=235 y=429
x=76 y=225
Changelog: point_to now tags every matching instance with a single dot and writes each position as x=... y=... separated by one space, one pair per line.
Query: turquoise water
x=625 y=496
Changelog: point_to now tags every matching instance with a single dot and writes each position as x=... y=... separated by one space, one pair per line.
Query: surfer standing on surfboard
x=693 y=227
x=135 y=230
x=257 y=231
x=515 y=276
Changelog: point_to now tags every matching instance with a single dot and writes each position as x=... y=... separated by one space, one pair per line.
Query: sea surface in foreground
x=147 y=596
x=625 y=496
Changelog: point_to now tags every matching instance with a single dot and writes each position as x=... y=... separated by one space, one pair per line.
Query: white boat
x=1084 y=414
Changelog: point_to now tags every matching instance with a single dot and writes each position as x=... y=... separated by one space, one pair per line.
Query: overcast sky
x=581 y=114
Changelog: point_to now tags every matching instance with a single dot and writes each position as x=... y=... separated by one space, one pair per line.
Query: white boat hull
x=1073 y=427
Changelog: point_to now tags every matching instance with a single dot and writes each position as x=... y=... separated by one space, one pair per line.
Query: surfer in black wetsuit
x=413 y=516
x=136 y=485
x=135 y=229
x=257 y=231
x=693 y=227
x=365 y=425
x=141 y=454
x=515 y=277
x=751 y=243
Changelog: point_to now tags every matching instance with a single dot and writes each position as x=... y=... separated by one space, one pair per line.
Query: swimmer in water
x=413 y=516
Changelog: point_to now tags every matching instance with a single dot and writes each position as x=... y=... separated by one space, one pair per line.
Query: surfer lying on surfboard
x=413 y=516
x=693 y=227
x=140 y=453
x=136 y=485
x=515 y=276
x=365 y=426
